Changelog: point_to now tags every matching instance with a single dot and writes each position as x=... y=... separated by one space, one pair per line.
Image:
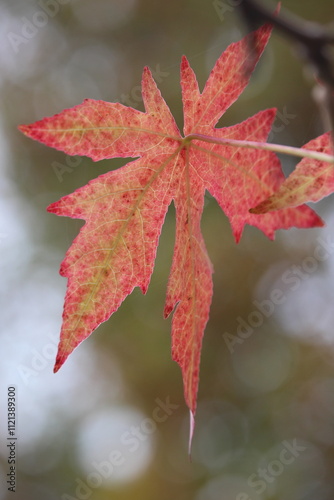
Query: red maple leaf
x=310 y=181
x=124 y=209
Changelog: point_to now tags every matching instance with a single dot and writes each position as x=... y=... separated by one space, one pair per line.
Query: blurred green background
x=100 y=428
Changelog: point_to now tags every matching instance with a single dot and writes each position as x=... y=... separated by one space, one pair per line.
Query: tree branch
x=313 y=39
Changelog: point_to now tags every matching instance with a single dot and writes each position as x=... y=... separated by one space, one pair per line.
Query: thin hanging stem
x=276 y=148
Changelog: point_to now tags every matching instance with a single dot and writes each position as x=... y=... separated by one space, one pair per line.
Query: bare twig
x=313 y=39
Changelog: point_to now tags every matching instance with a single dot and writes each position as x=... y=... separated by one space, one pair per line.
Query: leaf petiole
x=276 y=148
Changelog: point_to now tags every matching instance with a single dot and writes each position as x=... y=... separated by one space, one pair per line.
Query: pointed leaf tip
x=60 y=358
x=146 y=70
x=57 y=366
x=184 y=62
x=25 y=129
x=51 y=208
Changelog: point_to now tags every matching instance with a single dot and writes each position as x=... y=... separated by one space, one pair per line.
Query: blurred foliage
x=277 y=384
